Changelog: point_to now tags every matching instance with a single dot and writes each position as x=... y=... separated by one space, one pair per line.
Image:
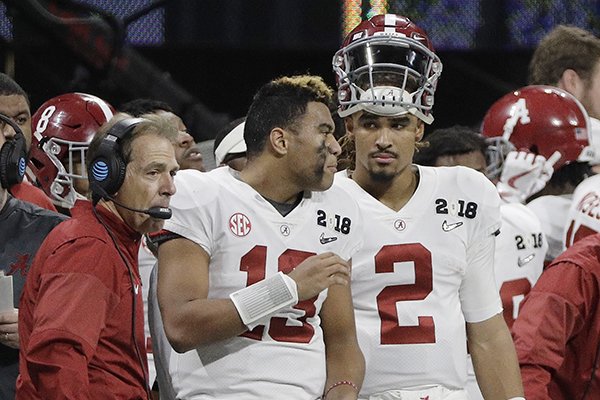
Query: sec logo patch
x=239 y=224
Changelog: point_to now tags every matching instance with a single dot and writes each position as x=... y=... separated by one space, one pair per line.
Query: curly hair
x=280 y=103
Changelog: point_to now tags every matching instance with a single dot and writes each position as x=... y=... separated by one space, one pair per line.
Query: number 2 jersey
x=423 y=271
x=248 y=240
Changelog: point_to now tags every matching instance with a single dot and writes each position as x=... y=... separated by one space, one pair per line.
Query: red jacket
x=75 y=320
x=27 y=192
x=557 y=332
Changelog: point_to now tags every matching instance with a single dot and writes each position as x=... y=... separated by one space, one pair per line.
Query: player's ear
x=349 y=124
x=570 y=81
x=420 y=131
x=279 y=141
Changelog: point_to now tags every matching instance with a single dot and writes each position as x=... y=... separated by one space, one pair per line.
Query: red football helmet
x=63 y=129
x=388 y=67
x=540 y=119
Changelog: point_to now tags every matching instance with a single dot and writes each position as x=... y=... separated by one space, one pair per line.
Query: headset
x=13 y=156
x=106 y=172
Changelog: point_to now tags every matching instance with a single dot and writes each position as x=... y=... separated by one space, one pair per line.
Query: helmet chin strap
x=385 y=101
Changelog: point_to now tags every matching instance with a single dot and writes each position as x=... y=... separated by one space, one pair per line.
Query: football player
x=253 y=277
x=427 y=264
x=520 y=246
x=63 y=129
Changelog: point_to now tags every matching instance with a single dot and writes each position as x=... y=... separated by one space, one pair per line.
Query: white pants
x=432 y=393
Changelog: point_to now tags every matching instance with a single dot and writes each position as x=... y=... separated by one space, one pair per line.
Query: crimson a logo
x=239 y=225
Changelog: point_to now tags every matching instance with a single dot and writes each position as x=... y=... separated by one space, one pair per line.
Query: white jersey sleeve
x=583 y=217
x=421 y=272
x=249 y=240
x=193 y=207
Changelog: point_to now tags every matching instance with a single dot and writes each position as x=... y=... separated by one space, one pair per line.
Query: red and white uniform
x=518 y=263
x=557 y=334
x=584 y=214
x=248 y=240
x=422 y=272
x=553 y=214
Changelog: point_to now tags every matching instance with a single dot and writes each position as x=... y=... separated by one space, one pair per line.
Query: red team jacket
x=75 y=320
x=557 y=334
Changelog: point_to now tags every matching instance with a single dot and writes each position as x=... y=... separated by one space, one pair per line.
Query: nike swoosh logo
x=446 y=227
x=136 y=288
x=325 y=240
x=511 y=181
x=522 y=261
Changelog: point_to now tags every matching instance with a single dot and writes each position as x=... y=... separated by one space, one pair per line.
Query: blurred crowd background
x=206 y=58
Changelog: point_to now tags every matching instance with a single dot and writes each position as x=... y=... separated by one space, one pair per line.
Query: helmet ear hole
x=63 y=128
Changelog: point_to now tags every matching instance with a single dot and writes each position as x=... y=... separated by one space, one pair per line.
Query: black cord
x=137 y=349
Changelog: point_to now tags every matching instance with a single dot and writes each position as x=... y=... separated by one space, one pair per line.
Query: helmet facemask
x=388 y=76
x=496 y=152
x=62 y=188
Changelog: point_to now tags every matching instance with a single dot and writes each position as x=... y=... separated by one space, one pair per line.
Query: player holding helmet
x=427 y=264
x=541 y=123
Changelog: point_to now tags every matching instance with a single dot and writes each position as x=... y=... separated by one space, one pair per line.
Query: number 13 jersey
x=248 y=240
x=423 y=271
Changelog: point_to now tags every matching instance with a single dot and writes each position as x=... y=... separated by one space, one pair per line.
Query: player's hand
x=524 y=174
x=9 y=328
x=318 y=272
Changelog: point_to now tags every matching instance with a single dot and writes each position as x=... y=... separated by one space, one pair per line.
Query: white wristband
x=517 y=398
x=264 y=298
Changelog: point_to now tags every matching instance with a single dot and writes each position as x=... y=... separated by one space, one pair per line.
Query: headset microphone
x=154 y=212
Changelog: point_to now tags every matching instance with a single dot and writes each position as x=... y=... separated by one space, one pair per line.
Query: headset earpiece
x=13 y=156
x=106 y=171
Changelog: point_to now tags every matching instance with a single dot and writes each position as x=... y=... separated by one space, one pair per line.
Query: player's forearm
x=495 y=362
x=201 y=322
x=345 y=370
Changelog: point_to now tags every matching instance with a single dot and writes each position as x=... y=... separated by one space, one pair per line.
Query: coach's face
x=148 y=181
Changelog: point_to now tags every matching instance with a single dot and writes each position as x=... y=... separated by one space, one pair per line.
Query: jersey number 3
x=391 y=331
x=254 y=263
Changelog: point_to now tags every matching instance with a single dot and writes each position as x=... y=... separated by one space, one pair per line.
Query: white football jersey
x=248 y=240
x=518 y=263
x=422 y=272
x=552 y=212
x=583 y=217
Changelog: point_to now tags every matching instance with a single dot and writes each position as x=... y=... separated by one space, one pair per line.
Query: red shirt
x=75 y=318
x=557 y=332
x=27 y=192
